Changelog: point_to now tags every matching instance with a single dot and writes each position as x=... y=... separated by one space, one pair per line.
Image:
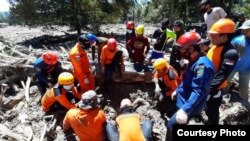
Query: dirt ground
x=21 y=116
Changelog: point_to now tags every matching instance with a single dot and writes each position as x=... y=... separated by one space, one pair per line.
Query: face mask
x=204 y=9
x=129 y=31
x=87 y=46
x=186 y=54
x=67 y=87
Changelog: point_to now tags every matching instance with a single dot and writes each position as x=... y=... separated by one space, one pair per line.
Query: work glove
x=183 y=62
x=217 y=95
x=157 y=92
x=181 y=117
x=173 y=95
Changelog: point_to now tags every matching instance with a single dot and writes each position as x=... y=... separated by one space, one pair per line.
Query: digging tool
x=47 y=120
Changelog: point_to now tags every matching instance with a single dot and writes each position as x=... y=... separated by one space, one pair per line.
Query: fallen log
x=6 y=132
x=27 y=87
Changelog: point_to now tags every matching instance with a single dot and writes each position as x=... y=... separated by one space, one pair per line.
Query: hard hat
x=88 y=100
x=112 y=44
x=160 y=64
x=66 y=78
x=223 y=26
x=50 y=57
x=139 y=29
x=178 y=23
x=125 y=102
x=165 y=22
x=131 y=25
x=83 y=39
x=189 y=39
x=91 y=37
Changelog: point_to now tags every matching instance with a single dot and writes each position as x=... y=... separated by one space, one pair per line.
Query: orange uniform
x=88 y=125
x=57 y=94
x=82 y=71
x=214 y=55
x=107 y=56
x=130 y=128
x=170 y=82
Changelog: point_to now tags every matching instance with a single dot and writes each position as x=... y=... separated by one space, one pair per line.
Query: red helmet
x=131 y=25
x=112 y=44
x=49 y=57
x=189 y=39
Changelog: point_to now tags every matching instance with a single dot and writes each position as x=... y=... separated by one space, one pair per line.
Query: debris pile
x=21 y=116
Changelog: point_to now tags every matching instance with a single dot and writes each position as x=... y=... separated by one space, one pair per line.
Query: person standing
x=80 y=62
x=224 y=57
x=242 y=45
x=211 y=14
x=193 y=91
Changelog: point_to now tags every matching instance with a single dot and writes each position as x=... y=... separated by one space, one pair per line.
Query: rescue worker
x=61 y=94
x=175 y=56
x=240 y=21
x=192 y=93
x=47 y=68
x=211 y=15
x=165 y=77
x=80 y=62
x=242 y=45
x=205 y=45
x=111 y=61
x=138 y=47
x=87 y=120
x=100 y=43
x=166 y=81
x=129 y=127
x=130 y=33
x=224 y=57
x=164 y=39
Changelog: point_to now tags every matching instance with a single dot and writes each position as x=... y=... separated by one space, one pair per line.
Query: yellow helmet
x=65 y=78
x=160 y=64
x=139 y=29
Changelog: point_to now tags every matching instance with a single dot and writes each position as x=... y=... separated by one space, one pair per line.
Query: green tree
x=78 y=14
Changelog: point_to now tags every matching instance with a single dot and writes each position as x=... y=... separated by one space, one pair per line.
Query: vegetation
x=89 y=14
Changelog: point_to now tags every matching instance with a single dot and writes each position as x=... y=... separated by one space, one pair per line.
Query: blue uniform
x=194 y=89
x=46 y=73
x=242 y=45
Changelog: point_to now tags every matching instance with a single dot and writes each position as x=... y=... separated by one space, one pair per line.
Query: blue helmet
x=91 y=37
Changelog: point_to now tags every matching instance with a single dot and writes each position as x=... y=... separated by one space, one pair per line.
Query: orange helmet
x=112 y=44
x=189 y=39
x=223 y=26
x=131 y=25
x=50 y=57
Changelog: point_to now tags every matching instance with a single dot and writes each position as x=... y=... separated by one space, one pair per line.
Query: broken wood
x=30 y=133
x=43 y=132
x=27 y=88
x=23 y=85
x=6 y=132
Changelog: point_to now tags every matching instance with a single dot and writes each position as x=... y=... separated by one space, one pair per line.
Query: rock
x=33 y=90
x=235 y=114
